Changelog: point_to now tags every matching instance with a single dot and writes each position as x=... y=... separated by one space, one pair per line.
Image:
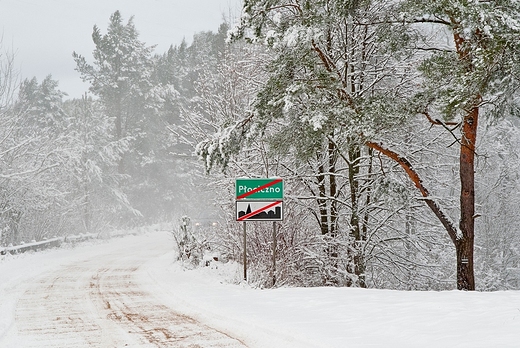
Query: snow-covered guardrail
x=57 y=241
x=80 y=237
x=47 y=243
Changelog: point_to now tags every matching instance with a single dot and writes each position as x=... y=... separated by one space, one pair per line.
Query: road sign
x=259 y=210
x=259 y=200
x=267 y=189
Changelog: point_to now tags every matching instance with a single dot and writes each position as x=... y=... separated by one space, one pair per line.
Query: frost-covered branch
x=417 y=181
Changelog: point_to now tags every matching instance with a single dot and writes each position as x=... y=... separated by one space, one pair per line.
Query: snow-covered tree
x=497 y=237
x=472 y=71
x=41 y=104
x=92 y=158
x=31 y=153
x=475 y=69
x=122 y=77
x=331 y=76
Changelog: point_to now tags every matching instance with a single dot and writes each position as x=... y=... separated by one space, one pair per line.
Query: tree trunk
x=355 y=230
x=87 y=214
x=119 y=131
x=332 y=157
x=322 y=200
x=464 y=245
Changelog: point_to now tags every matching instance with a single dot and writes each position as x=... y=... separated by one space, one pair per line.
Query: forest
x=394 y=125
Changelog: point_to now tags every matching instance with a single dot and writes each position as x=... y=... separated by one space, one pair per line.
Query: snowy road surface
x=98 y=302
x=129 y=292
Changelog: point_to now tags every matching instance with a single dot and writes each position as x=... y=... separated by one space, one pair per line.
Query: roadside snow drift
x=130 y=292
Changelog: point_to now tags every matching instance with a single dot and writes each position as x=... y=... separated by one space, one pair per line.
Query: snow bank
x=287 y=317
x=337 y=317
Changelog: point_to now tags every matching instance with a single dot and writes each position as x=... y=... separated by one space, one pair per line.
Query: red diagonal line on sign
x=247 y=216
x=259 y=188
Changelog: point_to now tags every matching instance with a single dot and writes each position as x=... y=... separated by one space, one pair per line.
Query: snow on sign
x=259 y=210
x=259 y=189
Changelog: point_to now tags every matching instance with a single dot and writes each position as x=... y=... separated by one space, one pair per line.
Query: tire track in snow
x=129 y=305
x=98 y=303
x=56 y=312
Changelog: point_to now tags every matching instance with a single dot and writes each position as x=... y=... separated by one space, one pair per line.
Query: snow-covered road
x=98 y=302
x=129 y=292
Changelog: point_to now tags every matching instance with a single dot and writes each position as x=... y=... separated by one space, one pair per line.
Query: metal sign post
x=274 y=252
x=245 y=253
x=259 y=200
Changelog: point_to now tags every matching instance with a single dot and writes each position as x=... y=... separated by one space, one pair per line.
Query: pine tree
x=121 y=78
x=332 y=76
x=478 y=69
x=95 y=195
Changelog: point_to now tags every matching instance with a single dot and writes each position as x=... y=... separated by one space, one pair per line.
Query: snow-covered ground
x=92 y=287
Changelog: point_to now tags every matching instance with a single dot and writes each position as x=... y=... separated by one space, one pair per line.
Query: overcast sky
x=44 y=33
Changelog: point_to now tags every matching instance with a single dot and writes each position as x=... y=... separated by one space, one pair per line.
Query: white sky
x=44 y=33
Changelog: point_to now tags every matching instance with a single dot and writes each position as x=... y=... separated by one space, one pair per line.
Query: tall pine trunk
x=464 y=244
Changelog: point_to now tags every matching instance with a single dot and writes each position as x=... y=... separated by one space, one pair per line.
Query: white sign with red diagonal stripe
x=259 y=210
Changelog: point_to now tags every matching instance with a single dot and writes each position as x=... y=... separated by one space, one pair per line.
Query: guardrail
x=57 y=241
x=46 y=244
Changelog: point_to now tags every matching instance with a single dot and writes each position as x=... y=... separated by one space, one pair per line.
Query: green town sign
x=266 y=189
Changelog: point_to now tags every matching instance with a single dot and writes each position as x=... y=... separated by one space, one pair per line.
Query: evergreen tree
x=41 y=104
x=337 y=67
x=331 y=76
x=477 y=69
x=94 y=193
x=122 y=77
